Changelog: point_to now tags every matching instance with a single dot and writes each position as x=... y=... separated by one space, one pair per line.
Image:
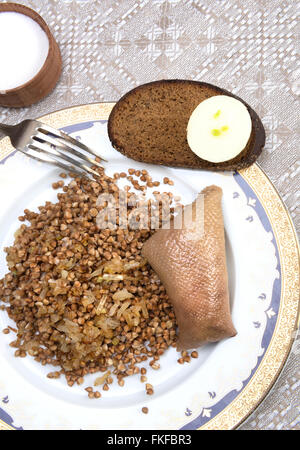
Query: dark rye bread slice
x=149 y=124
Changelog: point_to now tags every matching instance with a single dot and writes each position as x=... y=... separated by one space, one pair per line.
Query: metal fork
x=46 y=144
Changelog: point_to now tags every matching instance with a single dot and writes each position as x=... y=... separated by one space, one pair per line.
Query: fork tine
x=68 y=138
x=52 y=161
x=64 y=146
x=46 y=148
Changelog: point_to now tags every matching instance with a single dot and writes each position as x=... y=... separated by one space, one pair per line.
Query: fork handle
x=6 y=129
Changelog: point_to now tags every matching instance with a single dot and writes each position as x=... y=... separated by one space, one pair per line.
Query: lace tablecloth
x=246 y=46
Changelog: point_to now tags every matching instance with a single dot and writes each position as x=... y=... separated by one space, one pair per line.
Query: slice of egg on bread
x=219 y=128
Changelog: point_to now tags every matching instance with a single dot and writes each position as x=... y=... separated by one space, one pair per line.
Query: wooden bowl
x=45 y=80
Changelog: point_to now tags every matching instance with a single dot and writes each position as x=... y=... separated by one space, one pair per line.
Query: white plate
x=229 y=379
